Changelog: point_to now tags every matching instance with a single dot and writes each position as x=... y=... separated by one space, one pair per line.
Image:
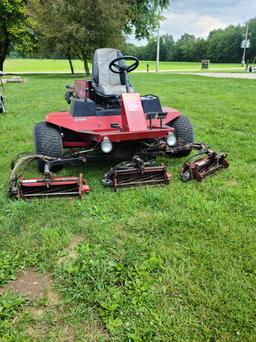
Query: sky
x=199 y=17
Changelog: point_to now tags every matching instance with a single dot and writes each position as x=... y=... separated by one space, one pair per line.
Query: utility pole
x=158 y=47
x=245 y=44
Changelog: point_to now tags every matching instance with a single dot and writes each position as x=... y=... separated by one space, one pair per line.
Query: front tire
x=183 y=132
x=47 y=142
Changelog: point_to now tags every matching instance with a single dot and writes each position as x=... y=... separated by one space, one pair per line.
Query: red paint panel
x=99 y=123
x=95 y=128
x=118 y=136
x=82 y=123
x=133 y=116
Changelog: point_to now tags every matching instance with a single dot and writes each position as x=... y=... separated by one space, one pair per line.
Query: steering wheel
x=122 y=68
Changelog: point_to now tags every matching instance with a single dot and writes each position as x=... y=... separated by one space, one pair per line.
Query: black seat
x=105 y=82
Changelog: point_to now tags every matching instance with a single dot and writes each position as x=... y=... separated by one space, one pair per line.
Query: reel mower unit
x=136 y=173
x=49 y=185
x=203 y=166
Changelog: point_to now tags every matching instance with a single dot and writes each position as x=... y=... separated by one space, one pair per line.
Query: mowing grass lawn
x=174 y=263
x=62 y=65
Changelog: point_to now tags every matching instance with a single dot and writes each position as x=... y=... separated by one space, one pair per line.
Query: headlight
x=171 y=139
x=106 y=145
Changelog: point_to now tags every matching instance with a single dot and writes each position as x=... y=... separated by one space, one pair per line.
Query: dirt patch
x=93 y=331
x=71 y=249
x=67 y=334
x=36 y=333
x=30 y=284
x=39 y=332
x=52 y=297
x=36 y=312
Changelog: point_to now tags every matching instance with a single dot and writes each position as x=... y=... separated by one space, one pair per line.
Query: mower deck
x=54 y=186
x=133 y=177
x=136 y=173
x=203 y=164
x=47 y=186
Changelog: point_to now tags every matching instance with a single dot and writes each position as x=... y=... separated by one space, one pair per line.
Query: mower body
x=107 y=115
x=87 y=123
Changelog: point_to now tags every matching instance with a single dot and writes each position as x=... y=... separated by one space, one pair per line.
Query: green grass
x=175 y=263
x=59 y=65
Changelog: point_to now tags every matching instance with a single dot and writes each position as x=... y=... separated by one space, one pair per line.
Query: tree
x=224 y=45
x=184 y=48
x=143 y=16
x=150 y=50
x=14 y=28
x=134 y=50
x=200 y=49
x=221 y=46
x=77 y=28
x=167 y=46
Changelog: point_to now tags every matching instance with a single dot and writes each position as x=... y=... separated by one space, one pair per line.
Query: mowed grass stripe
x=62 y=65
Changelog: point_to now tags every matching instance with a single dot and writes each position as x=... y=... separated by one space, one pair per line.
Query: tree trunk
x=86 y=66
x=3 y=53
x=71 y=65
x=2 y=63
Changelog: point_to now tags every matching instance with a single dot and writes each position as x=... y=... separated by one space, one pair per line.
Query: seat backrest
x=101 y=74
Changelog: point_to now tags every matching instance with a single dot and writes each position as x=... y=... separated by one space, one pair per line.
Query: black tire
x=183 y=131
x=47 y=142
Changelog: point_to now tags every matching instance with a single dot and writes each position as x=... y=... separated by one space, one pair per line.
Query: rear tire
x=47 y=142
x=183 y=131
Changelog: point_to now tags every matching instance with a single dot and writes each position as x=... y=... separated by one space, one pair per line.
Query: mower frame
x=122 y=121
x=132 y=124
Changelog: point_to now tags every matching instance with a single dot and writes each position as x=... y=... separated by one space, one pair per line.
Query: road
x=248 y=75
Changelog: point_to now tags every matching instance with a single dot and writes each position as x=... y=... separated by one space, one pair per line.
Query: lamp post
x=158 y=48
x=245 y=44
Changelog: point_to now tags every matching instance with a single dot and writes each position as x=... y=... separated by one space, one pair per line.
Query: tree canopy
x=74 y=29
x=221 y=46
x=14 y=28
x=148 y=52
x=142 y=16
x=77 y=28
x=251 y=54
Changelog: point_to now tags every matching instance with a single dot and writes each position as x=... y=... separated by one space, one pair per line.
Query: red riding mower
x=107 y=118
